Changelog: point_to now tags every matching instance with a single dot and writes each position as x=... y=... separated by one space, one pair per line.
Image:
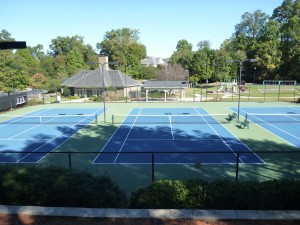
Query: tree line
x=274 y=40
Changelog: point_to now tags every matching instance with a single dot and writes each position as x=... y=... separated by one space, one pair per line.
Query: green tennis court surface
x=281 y=158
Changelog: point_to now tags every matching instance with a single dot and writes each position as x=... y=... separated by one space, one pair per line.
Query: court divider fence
x=13 y=100
x=207 y=93
x=202 y=165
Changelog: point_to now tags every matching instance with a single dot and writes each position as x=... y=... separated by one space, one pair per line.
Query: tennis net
x=170 y=119
x=48 y=119
x=273 y=118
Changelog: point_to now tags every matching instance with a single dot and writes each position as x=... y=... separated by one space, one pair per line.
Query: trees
x=172 y=72
x=273 y=40
x=122 y=45
x=288 y=16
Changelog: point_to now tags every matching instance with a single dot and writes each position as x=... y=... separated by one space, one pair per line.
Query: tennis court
x=41 y=131
x=164 y=131
x=281 y=121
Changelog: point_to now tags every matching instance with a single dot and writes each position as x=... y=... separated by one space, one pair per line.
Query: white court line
x=127 y=136
x=220 y=136
x=23 y=139
x=275 y=128
x=171 y=127
x=21 y=118
x=246 y=146
x=295 y=108
x=55 y=138
x=169 y=139
x=24 y=131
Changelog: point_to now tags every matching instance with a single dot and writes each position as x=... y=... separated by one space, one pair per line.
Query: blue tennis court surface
x=41 y=131
x=180 y=131
x=281 y=121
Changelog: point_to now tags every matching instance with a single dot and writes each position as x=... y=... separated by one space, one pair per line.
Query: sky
x=161 y=23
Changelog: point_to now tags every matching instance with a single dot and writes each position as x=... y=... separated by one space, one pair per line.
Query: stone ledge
x=153 y=213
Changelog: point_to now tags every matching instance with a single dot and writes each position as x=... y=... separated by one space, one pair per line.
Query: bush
x=58 y=187
x=196 y=194
x=66 y=92
x=163 y=194
x=35 y=101
x=96 y=98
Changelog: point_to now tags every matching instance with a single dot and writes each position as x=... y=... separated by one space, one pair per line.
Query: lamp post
x=240 y=80
x=12 y=89
x=101 y=66
x=254 y=75
x=125 y=79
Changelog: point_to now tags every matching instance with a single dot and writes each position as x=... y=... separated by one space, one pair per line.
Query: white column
x=147 y=95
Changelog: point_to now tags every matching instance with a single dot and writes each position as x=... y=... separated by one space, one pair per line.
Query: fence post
x=278 y=91
x=249 y=93
x=237 y=166
x=70 y=161
x=264 y=93
x=152 y=167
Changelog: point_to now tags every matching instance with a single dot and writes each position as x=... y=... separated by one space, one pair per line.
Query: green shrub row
x=58 y=187
x=197 y=194
x=62 y=187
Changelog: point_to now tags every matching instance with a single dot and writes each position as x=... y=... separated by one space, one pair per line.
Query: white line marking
x=222 y=138
x=127 y=136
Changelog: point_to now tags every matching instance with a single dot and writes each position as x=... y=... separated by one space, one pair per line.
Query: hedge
x=58 y=187
x=197 y=194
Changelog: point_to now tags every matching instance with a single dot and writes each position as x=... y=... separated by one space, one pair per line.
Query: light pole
x=254 y=75
x=101 y=66
x=125 y=79
x=240 y=80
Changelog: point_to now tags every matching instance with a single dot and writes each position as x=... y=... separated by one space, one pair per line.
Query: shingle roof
x=94 y=79
x=165 y=84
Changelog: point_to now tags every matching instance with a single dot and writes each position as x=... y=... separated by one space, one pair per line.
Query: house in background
x=89 y=83
x=154 y=61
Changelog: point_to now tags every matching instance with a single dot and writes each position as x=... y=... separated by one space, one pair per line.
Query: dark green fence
x=275 y=165
x=12 y=100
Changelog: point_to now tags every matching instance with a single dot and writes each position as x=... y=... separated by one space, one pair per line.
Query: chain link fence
x=131 y=176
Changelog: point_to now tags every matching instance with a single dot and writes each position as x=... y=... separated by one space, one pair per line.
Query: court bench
x=244 y=123
x=230 y=117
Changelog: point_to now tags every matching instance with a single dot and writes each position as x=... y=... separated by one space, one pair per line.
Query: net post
x=40 y=119
x=237 y=166
x=152 y=163
x=112 y=119
x=96 y=118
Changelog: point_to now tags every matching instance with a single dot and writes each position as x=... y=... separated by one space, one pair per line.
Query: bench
x=230 y=117
x=244 y=124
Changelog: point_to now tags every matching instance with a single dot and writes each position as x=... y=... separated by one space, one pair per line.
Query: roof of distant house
x=169 y=84
x=154 y=61
x=94 y=79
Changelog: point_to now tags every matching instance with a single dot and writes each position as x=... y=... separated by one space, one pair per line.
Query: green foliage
x=58 y=187
x=96 y=98
x=163 y=194
x=197 y=194
x=66 y=92
x=148 y=73
x=273 y=40
x=112 y=89
x=122 y=45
